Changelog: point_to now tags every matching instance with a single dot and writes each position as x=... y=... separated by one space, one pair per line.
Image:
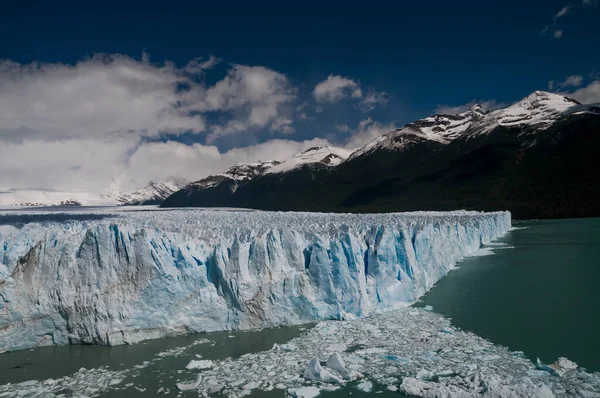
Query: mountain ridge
x=475 y=160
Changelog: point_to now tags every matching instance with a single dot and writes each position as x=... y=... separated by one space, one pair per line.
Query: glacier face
x=118 y=276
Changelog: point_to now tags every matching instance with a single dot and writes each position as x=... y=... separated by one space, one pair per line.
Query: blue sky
x=387 y=65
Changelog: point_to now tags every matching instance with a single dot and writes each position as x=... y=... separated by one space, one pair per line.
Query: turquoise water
x=542 y=296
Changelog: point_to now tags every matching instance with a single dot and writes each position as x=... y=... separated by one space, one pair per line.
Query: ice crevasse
x=115 y=277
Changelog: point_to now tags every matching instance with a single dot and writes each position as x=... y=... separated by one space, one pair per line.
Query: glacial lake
x=536 y=293
x=539 y=295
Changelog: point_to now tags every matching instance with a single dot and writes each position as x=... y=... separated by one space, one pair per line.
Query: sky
x=141 y=91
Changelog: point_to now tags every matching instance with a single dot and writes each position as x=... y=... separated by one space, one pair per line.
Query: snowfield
x=112 y=276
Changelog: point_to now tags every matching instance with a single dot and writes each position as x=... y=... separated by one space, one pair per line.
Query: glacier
x=117 y=276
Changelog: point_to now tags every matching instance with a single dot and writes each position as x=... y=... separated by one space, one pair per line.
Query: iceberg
x=118 y=276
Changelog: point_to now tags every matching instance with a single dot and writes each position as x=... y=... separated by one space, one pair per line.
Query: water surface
x=541 y=296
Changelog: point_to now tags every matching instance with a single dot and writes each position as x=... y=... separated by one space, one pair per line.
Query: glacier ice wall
x=117 y=277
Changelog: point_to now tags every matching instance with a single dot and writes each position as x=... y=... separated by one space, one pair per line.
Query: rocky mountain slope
x=536 y=158
x=154 y=193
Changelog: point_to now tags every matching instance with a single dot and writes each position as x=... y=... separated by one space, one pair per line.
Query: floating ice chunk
x=285 y=347
x=304 y=392
x=336 y=362
x=365 y=386
x=558 y=368
x=428 y=308
x=200 y=364
x=315 y=372
x=251 y=386
x=190 y=386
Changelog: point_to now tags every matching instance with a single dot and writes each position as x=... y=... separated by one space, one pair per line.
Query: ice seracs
x=119 y=276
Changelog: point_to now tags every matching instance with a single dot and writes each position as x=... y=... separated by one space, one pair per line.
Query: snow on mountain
x=117 y=276
x=325 y=156
x=539 y=109
x=153 y=193
x=40 y=198
x=239 y=172
x=319 y=155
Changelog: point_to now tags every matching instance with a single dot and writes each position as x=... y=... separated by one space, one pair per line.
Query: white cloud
x=366 y=131
x=453 y=110
x=564 y=11
x=372 y=99
x=198 y=65
x=198 y=161
x=105 y=94
x=344 y=128
x=89 y=165
x=283 y=125
x=587 y=95
x=571 y=81
x=74 y=127
x=119 y=96
x=255 y=94
x=79 y=125
x=70 y=164
x=336 y=88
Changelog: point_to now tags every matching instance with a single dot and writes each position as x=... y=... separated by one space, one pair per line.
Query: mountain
x=41 y=198
x=537 y=158
x=221 y=188
x=154 y=193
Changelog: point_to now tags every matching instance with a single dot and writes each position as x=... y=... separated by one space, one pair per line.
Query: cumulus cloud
x=74 y=127
x=372 y=100
x=118 y=95
x=589 y=94
x=78 y=125
x=366 y=131
x=336 y=88
x=344 y=128
x=283 y=125
x=564 y=11
x=254 y=93
x=70 y=164
x=105 y=94
x=199 y=65
x=453 y=110
x=89 y=165
x=571 y=81
x=197 y=161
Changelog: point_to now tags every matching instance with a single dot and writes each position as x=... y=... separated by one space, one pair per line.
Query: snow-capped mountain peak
x=321 y=155
x=153 y=193
x=539 y=109
x=239 y=172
